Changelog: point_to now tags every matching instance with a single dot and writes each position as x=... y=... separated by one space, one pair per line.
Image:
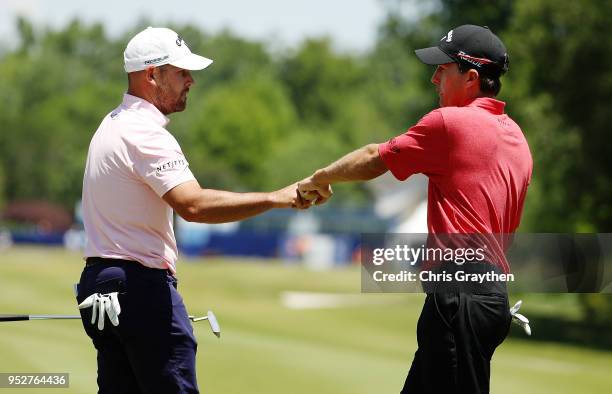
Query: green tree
x=320 y=80
x=560 y=86
x=53 y=94
x=231 y=137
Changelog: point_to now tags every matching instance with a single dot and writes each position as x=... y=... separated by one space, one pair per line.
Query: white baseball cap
x=156 y=46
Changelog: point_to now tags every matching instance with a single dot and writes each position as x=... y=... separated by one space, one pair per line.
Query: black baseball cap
x=474 y=46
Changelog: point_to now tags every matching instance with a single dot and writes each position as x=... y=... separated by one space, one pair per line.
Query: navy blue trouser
x=153 y=348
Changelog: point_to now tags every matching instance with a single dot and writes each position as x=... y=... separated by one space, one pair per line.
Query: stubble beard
x=181 y=102
x=167 y=105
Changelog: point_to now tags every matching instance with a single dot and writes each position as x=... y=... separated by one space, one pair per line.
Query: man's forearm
x=360 y=165
x=195 y=204
x=218 y=206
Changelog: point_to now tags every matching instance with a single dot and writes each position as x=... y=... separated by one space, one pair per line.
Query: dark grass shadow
x=554 y=329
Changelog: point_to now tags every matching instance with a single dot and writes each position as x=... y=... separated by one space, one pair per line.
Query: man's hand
x=289 y=197
x=314 y=191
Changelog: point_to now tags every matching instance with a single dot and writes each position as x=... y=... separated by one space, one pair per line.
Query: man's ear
x=473 y=77
x=150 y=74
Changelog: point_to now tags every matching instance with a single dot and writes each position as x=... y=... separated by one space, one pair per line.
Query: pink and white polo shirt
x=132 y=162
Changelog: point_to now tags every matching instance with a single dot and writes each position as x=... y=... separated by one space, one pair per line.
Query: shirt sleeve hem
x=184 y=177
x=385 y=153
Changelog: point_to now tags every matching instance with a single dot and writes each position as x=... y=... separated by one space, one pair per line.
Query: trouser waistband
x=93 y=261
x=89 y=261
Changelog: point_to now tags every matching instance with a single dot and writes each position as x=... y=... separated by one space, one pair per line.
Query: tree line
x=260 y=118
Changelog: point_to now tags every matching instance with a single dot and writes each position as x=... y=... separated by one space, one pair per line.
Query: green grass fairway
x=266 y=347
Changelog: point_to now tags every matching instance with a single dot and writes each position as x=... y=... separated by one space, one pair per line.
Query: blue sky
x=352 y=24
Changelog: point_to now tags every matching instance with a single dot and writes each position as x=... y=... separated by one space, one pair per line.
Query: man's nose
x=435 y=78
x=190 y=81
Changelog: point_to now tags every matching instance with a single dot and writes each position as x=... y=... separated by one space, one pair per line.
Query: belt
x=90 y=261
x=93 y=261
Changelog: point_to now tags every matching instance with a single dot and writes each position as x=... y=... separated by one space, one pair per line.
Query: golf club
x=210 y=316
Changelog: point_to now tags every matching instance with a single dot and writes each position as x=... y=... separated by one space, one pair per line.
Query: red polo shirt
x=478 y=164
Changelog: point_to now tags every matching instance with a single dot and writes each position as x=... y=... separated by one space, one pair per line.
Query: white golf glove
x=101 y=304
x=519 y=319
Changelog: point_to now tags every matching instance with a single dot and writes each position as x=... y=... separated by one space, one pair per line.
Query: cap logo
x=156 y=60
x=477 y=61
x=448 y=37
x=179 y=40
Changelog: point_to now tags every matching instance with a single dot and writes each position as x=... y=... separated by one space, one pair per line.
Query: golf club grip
x=14 y=317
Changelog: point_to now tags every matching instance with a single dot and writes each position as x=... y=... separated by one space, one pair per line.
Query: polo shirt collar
x=140 y=104
x=489 y=104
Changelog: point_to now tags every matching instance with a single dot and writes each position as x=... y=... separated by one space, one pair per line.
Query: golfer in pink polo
x=479 y=166
x=136 y=176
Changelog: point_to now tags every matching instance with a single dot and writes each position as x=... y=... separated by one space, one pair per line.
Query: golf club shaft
x=36 y=317
x=61 y=317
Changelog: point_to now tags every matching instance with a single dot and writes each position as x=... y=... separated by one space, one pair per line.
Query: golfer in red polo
x=479 y=166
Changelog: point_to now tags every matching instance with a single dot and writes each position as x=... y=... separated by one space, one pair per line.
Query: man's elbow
x=188 y=212
x=197 y=214
x=184 y=199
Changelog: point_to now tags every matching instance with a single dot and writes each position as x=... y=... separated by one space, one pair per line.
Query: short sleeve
x=160 y=162
x=422 y=149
